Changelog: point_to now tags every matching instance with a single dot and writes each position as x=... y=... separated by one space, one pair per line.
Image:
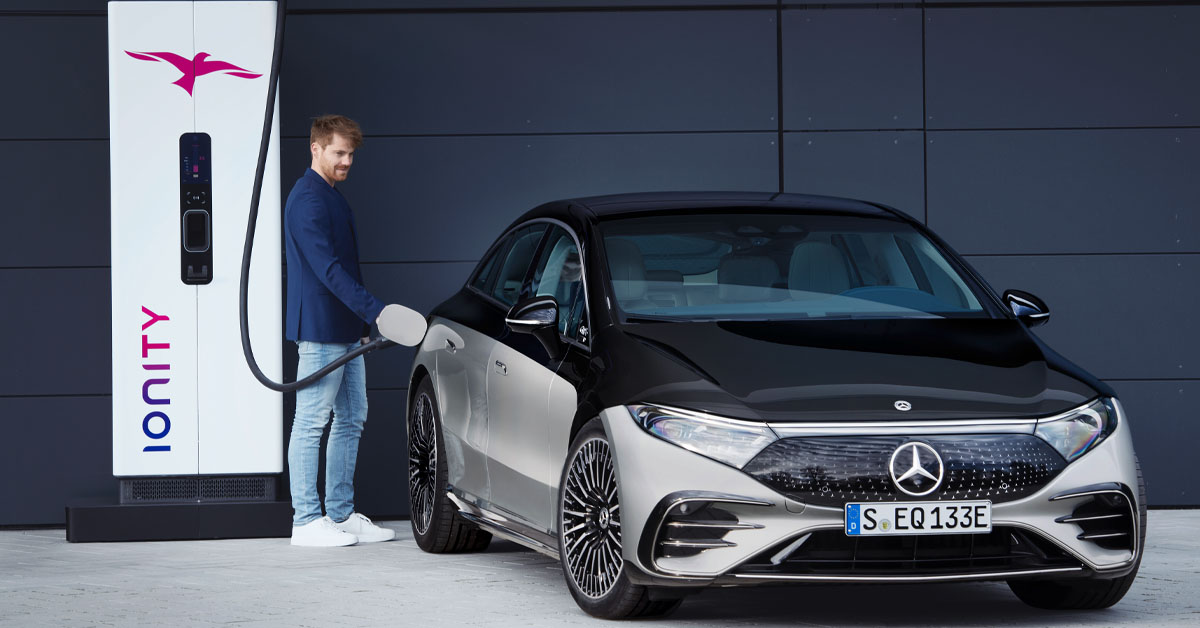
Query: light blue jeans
x=343 y=391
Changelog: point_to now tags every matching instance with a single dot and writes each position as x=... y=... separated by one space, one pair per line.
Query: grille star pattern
x=833 y=470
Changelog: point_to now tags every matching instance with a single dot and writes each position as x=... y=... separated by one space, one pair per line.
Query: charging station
x=197 y=441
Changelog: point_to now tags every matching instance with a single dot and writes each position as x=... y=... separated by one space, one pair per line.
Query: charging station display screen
x=195 y=158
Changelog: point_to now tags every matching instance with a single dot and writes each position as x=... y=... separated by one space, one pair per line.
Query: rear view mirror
x=1027 y=307
x=402 y=325
x=538 y=316
x=533 y=314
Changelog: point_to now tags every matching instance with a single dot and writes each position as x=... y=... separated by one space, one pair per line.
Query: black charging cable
x=268 y=118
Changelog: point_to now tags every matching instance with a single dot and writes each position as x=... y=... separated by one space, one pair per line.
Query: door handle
x=450 y=346
x=501 y=368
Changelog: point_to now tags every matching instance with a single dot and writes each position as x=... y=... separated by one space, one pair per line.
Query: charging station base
x=93 y=523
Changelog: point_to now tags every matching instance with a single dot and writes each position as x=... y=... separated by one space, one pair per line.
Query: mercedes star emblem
x=916 y=468
x=903 y=405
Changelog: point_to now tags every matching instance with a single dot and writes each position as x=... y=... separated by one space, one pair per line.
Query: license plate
x=902 y=518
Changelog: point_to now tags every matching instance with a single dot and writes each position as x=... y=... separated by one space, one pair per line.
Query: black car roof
x=655 y=201
x=652 y=202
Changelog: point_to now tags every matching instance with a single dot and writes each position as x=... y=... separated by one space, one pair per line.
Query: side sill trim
x=505 y=528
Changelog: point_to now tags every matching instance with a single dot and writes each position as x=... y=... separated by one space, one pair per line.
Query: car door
x=463 y=341
x=526 y=396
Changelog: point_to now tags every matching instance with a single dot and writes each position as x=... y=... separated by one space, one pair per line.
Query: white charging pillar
x=187 y=90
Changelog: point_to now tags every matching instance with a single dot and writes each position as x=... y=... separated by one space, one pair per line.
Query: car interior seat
x=665 y=288
x=817 y=269
x=746 y=278
x=628 y=269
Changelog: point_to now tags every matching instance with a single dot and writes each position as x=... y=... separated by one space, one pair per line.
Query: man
x=328 y=312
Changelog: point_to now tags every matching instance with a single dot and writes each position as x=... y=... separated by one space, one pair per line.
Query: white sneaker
x=321 y=532
x=367 y=532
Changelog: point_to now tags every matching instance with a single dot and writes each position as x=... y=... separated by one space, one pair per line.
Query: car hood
x=844 y=370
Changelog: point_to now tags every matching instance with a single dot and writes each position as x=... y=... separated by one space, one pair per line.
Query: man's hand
x=364 y=340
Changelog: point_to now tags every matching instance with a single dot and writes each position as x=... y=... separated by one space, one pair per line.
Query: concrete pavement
x=45 y=581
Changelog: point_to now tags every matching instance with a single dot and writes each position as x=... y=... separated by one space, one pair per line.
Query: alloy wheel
x=591 y=520
x=422 y=462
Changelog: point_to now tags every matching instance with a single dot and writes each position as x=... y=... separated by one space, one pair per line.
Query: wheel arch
x=588 y=409
x=419 y=373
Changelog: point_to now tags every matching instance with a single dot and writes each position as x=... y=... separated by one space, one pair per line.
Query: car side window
x=559 y=274
x=507 y=287
x=487 y=268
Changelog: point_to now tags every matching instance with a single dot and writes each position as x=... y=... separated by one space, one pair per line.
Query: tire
x=589 y=521
x=1085 y=594
x=436 y=524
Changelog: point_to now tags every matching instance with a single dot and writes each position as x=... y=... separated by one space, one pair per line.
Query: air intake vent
x=832 y=553
x=159 y=490
x=693 y=527
x=198 y=489
x=1105 y=519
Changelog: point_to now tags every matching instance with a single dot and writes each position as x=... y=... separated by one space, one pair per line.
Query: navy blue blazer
x=326 y=301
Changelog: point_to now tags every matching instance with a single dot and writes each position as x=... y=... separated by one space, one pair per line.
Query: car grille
x=833 y=470
x=832 y=553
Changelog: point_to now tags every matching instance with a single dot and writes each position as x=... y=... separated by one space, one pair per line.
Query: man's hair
x=324 y=127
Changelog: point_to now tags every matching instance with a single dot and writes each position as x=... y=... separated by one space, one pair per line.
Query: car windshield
x=780 y=266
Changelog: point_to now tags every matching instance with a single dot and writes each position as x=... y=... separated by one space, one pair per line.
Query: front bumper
x=758 y=529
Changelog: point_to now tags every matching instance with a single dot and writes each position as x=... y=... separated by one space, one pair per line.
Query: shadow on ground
x=956 y=604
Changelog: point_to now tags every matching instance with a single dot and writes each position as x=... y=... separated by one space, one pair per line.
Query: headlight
x=726 y=440
x=1077 y=431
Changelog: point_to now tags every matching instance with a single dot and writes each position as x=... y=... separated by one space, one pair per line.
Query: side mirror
x=402 y=325
x=1027 y=307
x=538 y=316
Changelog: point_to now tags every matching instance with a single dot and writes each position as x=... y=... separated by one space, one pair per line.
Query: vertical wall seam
x=924 y=124
x=779 y=86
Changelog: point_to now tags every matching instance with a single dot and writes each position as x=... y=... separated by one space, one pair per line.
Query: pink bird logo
x=193 y=68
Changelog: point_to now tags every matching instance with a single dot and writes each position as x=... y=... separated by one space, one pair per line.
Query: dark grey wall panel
x=880 y=166
x=47 y=223
x=534 y=72
x=381 y=478
x=1165 y=433
x=549 y=5
x=56 y=78
x=1062 y=67
x=433 y=199
x=54 y=6
x=1118 y=316
x=57 y=450
x=1034 y=3
x=57 y=332
x=1097 y=191
x=852 y=69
